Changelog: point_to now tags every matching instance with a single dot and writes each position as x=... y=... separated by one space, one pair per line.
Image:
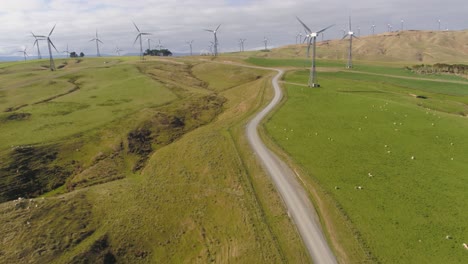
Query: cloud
x=175 y=22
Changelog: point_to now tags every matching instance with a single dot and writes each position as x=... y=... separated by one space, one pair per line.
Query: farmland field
x=393 y=162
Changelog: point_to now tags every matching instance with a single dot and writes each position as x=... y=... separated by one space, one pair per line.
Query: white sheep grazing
x=412 y=157
x=369 y=174
x=465 y=246
x=358 y=188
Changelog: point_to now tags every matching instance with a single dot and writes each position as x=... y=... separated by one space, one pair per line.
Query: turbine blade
x=92 y=40
x=349 y=23
x=209 y=30
x=325 y=29
x=138 y=36
x=145 y=33
x=51 y=43
x=354 y=37
x=52 y=30
x=344 y=36
x=35 y=43
x=136 y=26
x=100 y=41
x=304 y=25
x=218 y=27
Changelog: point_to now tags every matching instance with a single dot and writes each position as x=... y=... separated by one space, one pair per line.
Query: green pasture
x=395 y=166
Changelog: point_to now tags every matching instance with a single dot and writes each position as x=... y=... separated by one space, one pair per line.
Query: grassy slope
x=407 y=46
x=199 y=199
x=408 y=207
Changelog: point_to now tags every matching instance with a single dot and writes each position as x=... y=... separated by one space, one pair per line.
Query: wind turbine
x=313 y=39
x=241 y=42
x=215 y=39
x=402 y=25
x=389 y=28
x=25 y=54
x=351 y=36
x=50 y=44
x=118 y=50
x=265 y=41
x=439 y=23
x=359 y=31
x=311 y=36
x=373 y=29
x=190 y=44
x=139 y=37
x=36 y=43
x=211 y=47
x=66 y=51
x=97 y=44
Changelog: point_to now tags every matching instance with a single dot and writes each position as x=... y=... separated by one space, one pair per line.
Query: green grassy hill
x=117 y=160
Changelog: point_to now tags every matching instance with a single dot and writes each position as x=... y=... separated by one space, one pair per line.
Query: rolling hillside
x=406 y=46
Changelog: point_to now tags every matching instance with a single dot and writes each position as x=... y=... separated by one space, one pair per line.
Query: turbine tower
x=50 y=45
x=36 y=43
x=24 y=53
x=149 y=44
x=141 y=41
x=97 y=44
x=215 y=39
x=439 y=23
x=190 y=44
x=265 y=41
x=351 y=36
x=402 y=25
x=313 y=39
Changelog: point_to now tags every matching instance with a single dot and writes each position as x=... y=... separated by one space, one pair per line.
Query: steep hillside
x=406 y=46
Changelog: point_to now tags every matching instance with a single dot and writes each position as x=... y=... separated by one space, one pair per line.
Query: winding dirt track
x=294 y=196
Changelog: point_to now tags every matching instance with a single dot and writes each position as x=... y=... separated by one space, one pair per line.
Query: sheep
x=465 y=246
x=369 y=174
x=413 y=158
x=448 y=237
x=358 y=188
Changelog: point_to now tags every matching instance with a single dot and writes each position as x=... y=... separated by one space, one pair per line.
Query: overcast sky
x=175 y=22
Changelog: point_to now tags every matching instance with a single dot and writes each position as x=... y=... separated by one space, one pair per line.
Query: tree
x=81 y=54
x=73 y=54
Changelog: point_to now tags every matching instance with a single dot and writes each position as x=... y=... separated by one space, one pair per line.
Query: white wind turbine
x=312 y=36
x=139 y=37
x=36 y=43
x=118 y=50
x=350 y=54
x=67 y=52
x=50 y=45
x=25 y=54
x=215 y=39
x=190 y=44
x=97 y=44
x=265 y=42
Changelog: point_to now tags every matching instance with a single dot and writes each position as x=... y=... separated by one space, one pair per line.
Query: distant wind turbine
x=50 y=45
x=265 y=41
x=67 y=52
x=373 y=29
x=25 y=54
x=402 y=25
x=215 y=39
x=439 y=23
x=190 y=44
x=97 y=44
x=139 y=37
x=118 y=50
x=350 y=54
x=313 y=39
x=36 y=43
x=241 y=44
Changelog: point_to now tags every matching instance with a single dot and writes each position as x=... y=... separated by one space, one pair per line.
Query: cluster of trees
x=156 y=52
x=459 y=69
x=75 y=55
